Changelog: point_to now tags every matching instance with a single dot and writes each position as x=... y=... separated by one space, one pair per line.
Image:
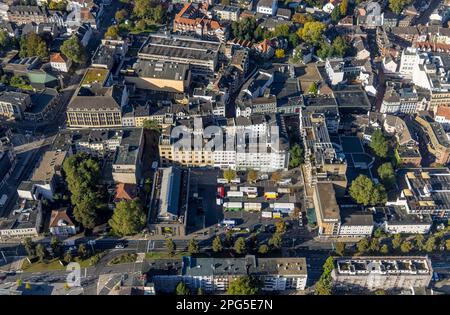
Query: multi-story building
x=395 y=220
x=268 y=7
x=388 y=273
x=201 y=55
x=438 y=144
x=59 y=62
x=26 y=221
x=442 y=116
x=409 y=59
x=127 y=161
x=398 y=100
x=24 y=14
x=226 y=12
x=13 y=104
x=327 y=209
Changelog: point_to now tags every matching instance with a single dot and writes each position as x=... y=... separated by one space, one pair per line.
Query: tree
x=27 y=286
x=281 y=30
x=229 y=239
x=280 y=227
x=362 y=246
x=447 y=244
x=200 y=291
x=245 y=28
x=252 y=176
x=30 y=247
x=239 y=246
x=41 y=253
x=17 y=81
x=279 y=53
x=295 y=156
x=293 y=39
x=5 y=41
x=263 y=249
x=380 y=292
x=68 y=257
x=386 y=173
x=275 y=176
x=74 y=50
x=365 y=192
x=170 y=245
x=339 y=47
x=325 y=284
x=396 y=241
x=276 y=241
x=193 y=247
x=418 y=241
x=58 y=5
x=225 y=2
x=121 y=15
x=151 y=124
x=217 y=244
x=397 y=5
x=430 y=244
x=384 y=249
x=297 y=54
x=325 y=50
x=406 y=247
x=19 y=283
x=112 y=32
x=56 y=246
x=83 y=252
x=242 y=286
x=340 y=248
x=33 y=45
x=335 y=15
x=312 y=32
x=379 y=144
x=302 y=18
x=378 y=233
x=128 y=218
x=229 y=175
x=182 y=289
x=313 y=89
x=343 y=6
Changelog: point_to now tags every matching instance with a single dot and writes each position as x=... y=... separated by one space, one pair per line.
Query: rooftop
x=50 y=163
x=95 y=75
x=328 y=205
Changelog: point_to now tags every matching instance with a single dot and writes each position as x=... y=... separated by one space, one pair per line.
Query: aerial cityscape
x=225 y=147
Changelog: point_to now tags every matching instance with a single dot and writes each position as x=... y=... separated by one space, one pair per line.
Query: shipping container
x=276 y=215
x=222 y=181
x=238 y=194
x=232 y=206
x=252 y=206
x=270 y=195
x=221 y=191
x=249 y=189
x=283 y=207
x=266 y=214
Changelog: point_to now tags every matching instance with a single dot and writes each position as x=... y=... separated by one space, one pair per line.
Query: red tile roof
x=57 y=57
x=58 y=216
x=125 y=192
x=443 y=111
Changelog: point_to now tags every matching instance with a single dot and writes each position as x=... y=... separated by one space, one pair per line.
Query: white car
x=119 y=246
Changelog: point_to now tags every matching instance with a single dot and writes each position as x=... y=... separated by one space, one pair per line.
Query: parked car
x=119 y=246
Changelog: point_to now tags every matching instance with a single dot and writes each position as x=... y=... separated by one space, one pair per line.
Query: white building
x=335 y=70
x=409 y=59
x=356 y=224
x=399 y=100
x=268 y=7
x=60 y=63
x=395 y=220
x=61 y=224
x=442 y=116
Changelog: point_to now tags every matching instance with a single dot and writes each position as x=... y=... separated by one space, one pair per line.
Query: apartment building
x=13 y=104
x=327 y=209
x=408 y=60
x=24 y=14
x=438 y=144
x=226 y=12
x=396 y=220
x=127 y=161
x=357 y=274
x=268 y=7
x=399 y=100
x=26 y=221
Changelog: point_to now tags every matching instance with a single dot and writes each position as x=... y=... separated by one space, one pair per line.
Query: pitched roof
x=443 y=111
x=60 y=217
x=57 y=57
x=125 y=192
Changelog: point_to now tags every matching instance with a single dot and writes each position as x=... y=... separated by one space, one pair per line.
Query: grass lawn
x=123 y=259
x=53 y=264
x=165 y=255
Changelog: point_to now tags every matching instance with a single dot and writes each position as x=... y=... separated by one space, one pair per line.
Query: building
x=13 y=104
x=26 y=221
x=127 y=160
x=43 y=105
x=437 y=142
x=268 y=7
x=226 y=12
x=399 y=100
x=201 y=55
x=357 y=274
x=442 y=116
x=327 y=209
x=355 y=223
x=24 y=14
x=426 y=192
x=61 y=224
x=395 y=220
x=125 y=192
x=60 y=63
x=408 y=61
x=169 y=204
x=159 y=76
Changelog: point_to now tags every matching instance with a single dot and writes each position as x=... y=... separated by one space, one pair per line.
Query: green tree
x=397 y=6
x=281 y=30
x=263 y=249
x=225 y=2
x=418 y=241
x=182 y=289
x=170 y=245
x=379 y=144
x=447 y=244
x=343 y=6
x=200 y=291
x=365 y=192
x=293 y=39
x=335 y=15
x=193 y=247
x=239 y=246
x=280 y=227
x=27 y=286
x=18 y=82
x=396 y=241
x=325 y=50
x=384 y=249
x=297 y=54
x=41 y=253
x=33 y=45
x=217 y=244
x=362 y=246
x=276 y=241
x=74 y=50
x=128 y=219
x=387 y=175
x=380 y=292
x=245 y=28
x=430 y=244
x=340 y=248
x=121 y=15
x=229 y=239
x=112 y=32
x=311 y=32
x=252 y=176
x=313 y=89
x=275 y=177
x=406 y=247
x=83 y=251
x=279 y=53
x=151 y=124
x=30 y=247
x=68 y=257
x=325 y=284
x=339 y=47
x=229 y=175
x=242 y=286
x=378 y=233
x=5 y=41
x=55 y=246
x=295 y=156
